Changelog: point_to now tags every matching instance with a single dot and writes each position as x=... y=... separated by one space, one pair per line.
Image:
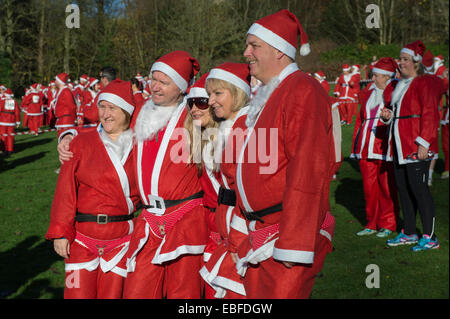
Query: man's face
x=103 y=80
x=164 y=91
x=261 y=57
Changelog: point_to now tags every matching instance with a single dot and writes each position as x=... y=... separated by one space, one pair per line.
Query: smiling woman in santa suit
x=92 y=212
x=414 y=117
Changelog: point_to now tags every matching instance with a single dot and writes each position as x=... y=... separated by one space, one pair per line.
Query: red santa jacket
x=354 y=85
x=65 y=110
x=325 y=85
x=370 y=136
x=344 y=87
x=33 y=103
x=89 y=108
x=9 y=112
x=292 y=167
x=414 y=103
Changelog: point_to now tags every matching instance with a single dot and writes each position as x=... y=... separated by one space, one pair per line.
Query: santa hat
x=320 y=75
x=415 y=49
x=84 y=78
x=356 y=67
x=62 y=78
x=35 y=87
x=119 y=93
x=93 y=81
x=281 y=30
x=237 y=74
x=3 y=87
x=346 y=67
x=428 y=59
x=439 y=58
x=179 y=66
x=52 y=83
x=9 y=93
x=386 y=66
x=198 y=89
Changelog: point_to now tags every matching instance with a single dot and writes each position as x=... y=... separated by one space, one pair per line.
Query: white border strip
x=273 y=39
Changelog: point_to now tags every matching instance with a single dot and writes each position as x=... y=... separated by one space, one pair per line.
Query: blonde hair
x=240 y=98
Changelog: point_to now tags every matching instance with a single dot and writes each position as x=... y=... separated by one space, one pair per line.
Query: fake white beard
x=151 y=119
x=259 y=100
x=120 y=145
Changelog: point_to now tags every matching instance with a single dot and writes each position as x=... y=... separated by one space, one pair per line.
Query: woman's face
x=406 y=66
x=380 y=80
x=200 y=116
x=221 y=101
x=112 y=117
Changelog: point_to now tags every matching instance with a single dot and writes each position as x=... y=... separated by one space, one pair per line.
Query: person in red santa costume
x=370 y=146
x=64 y=105
x=229 y=90
x=51 y=95
x=320 y=76
x=33 y=103
x=171 y=233
x=9 y=119
x=344 y=93
x=88 y=108
x=355 y=89
x=413 y=114
x=284 y=196
x=96 y=195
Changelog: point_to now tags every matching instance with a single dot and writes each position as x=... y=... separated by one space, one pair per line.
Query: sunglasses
x=200 y=102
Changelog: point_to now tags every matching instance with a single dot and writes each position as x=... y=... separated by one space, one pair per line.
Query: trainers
x=383 y=232
x=366 y=232
x=426 y=243
x=403 y=239
x=430 y=181
x=444 y=175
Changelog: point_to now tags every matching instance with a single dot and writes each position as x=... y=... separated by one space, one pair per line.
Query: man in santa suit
x=171 y=233
x=34 y=105
x=51 y=95
x=89 y=109
x=78 y=93
x=284 y=196
x=320 y=76
x=355 y=88
x=371 y=148
x=9 y=119
x=343 y=91
x=64 y=105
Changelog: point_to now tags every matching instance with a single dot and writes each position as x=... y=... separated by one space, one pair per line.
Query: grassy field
x=31 y=269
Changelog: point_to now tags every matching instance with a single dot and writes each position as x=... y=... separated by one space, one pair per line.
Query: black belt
x=102 y=218
x=261 y=213
x=413 y=116
x=7 y=112
x=171 y=203
x=226 y=197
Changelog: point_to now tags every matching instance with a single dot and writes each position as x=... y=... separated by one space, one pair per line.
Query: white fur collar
x=259 y=100
x=151 y=119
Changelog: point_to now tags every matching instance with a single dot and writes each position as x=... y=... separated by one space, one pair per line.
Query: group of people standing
x=233 y=183
x=223 y=215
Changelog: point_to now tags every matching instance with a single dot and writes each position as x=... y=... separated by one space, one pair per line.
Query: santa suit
x=354 y=88
x=343 y=91
x=65 y=110
x=370 y=146
x=166 y=248
x=90 y=108
x=220 y=271
x=51 y=95
x=439 y=68
x=34 y=106
x=9 y=118
x=296 y=174
x=325 y=85
x=99 y=179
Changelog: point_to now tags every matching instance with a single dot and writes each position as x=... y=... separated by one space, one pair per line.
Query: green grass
x=31 y=269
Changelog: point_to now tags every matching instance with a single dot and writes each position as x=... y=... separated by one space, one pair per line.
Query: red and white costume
x=64 y=105
x=370 y=146
x=97 y=180
x=34 y=106
x=444 y=129
x=344 y=92
x=89 y=107
x=9 y=119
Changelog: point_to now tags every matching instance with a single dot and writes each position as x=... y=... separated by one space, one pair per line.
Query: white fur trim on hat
x=197 y=92
x=416 y=57
x=59 y=80
x=170 y=72
x=117 y=100
x=274 y=40
x=229 y=77
x=381 y=71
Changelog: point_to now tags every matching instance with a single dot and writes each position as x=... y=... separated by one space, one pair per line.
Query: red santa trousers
x=177 y=279
x=270 y=279
x=7 y=141
x=380 y=194
x=352 y=109
x=34 y=122
x=444 y=140
x=84 y=284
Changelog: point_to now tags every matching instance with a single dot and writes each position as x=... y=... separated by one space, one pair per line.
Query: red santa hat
x=237 y=74
x=439 y=58
x=356 y=67
x=346 y=68
x=2 y=86
x=35 y=87
x=386 y=66
x=84 y=78
x=93 y=81
x=9 y=93
x=119 y=93
x=281 y=30
x=415 y=49
x=198 y=89
x=62 y=78
x=428 y=59
x=320 y=75
x=180 y=66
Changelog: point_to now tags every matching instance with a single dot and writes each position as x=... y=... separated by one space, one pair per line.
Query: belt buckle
x=157 y=203
x=102 y=219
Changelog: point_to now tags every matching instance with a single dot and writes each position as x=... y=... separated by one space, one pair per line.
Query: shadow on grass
x=7 y=165
x=350 y=194
x=23 y=263
x=29 y=143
